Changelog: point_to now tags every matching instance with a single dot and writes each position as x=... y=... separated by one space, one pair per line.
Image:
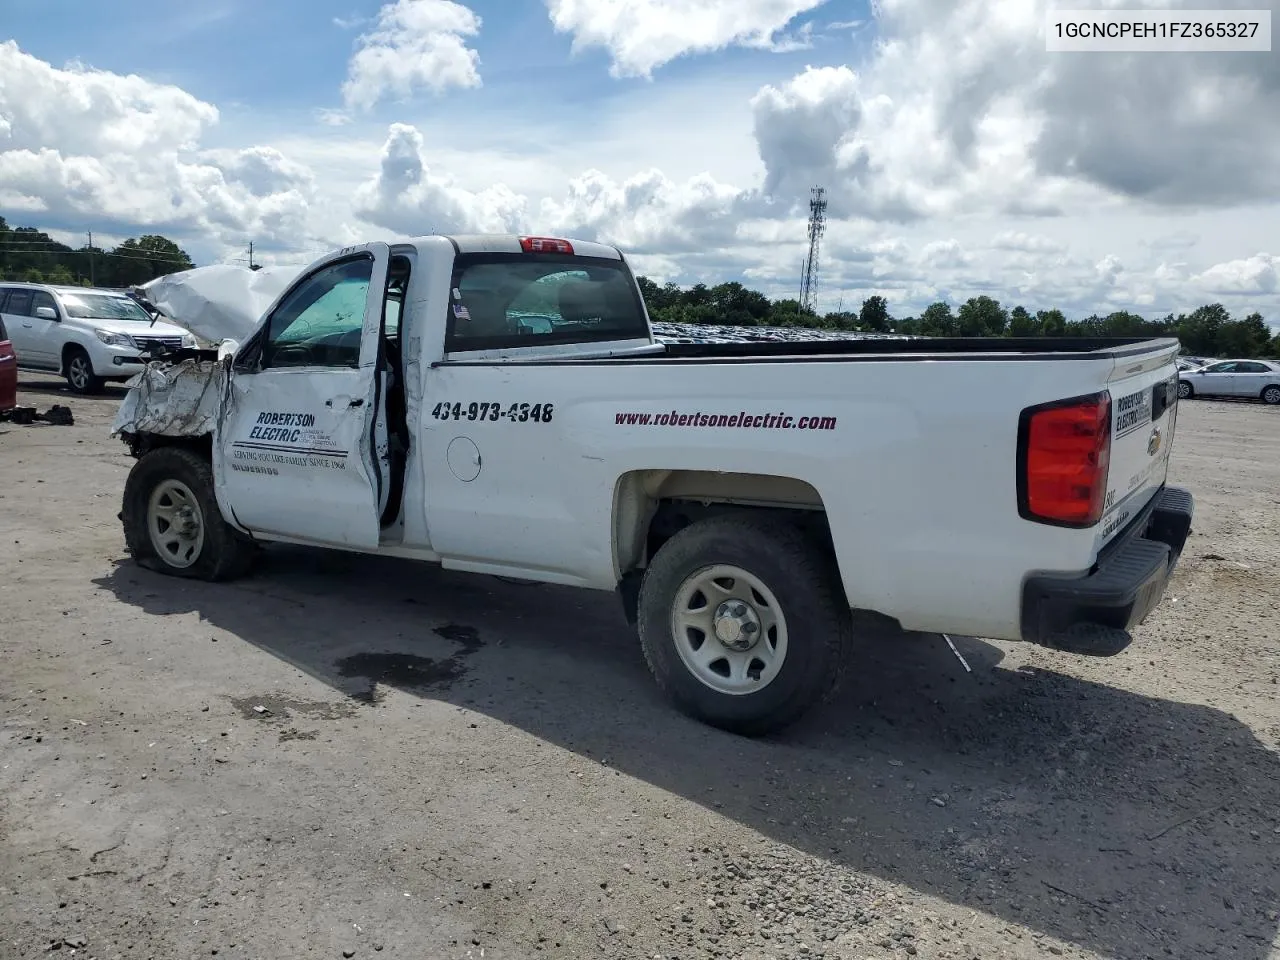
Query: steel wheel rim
x=1271 y=395
x=705 y=622
x=79 y=372
x=175 y=523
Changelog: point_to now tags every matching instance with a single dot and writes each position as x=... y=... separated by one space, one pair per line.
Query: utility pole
x=93 y=278
x=251 y=263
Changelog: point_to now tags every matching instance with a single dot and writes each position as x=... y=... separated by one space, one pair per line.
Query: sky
x=958 y=156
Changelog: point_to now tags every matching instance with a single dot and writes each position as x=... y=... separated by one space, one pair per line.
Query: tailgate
x=1144 y=407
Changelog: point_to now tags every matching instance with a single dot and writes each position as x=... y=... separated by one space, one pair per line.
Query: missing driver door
x=301 y=450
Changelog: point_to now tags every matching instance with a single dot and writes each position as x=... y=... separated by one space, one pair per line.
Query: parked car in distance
x=1194 y=362
x=87 y=335
x=1245 y=379
x=8 y=371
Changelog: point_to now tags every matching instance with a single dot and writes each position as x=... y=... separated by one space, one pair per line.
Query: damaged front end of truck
x=182 y=395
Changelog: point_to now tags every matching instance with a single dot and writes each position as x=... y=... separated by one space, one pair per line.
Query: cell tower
x=817 y=226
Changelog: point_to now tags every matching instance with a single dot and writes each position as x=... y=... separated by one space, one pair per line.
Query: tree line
x=32 y=255
x=1208 y=331
x=29 y=254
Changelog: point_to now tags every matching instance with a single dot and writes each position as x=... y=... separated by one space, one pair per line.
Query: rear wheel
x=172 y=523
x=1271 y=394
x=744 y=624
x=78 y=369
x=1185 y=390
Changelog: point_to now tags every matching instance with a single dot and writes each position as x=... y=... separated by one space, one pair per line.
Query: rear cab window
x=504 y=300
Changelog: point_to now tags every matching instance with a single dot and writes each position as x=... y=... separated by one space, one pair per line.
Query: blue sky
x=288 y=57
x=960 y=158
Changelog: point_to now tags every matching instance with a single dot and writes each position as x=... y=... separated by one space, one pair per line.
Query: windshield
x=505 y=300
x=102 y=306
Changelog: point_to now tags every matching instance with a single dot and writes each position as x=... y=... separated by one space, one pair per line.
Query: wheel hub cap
x=737 y=625
x=185 y=522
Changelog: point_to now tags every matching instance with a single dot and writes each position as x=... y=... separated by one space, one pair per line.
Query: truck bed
x=967 y=348
x=868 y=349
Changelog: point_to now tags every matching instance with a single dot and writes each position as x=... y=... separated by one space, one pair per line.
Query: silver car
x=1242 y=379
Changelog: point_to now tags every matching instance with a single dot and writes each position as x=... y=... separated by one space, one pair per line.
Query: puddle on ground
x=408 y=670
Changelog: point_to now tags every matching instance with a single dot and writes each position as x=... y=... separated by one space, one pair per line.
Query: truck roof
x=514 y=243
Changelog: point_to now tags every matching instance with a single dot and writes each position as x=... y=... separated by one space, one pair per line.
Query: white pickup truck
x=498 y=404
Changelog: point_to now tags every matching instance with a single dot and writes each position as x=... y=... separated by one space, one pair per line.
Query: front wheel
x=172 y=523
x=1271 y=395
x=1185 y=392
x=79 y=373
x=744 y=623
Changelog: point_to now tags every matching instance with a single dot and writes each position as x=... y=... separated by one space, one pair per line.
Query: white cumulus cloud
x=86 y=147
x=1255 y=275
x=414 y=45
x=407 y=198
x=642 y=35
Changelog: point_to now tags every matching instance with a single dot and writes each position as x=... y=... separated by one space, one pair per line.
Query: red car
x=8 y=371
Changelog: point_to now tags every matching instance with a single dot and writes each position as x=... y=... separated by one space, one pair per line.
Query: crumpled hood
x=219 y=302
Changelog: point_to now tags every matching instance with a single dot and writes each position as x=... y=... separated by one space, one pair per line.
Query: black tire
x=1271 y=394
x=802 y=578
x=1185 y=390
x=224 y=553
x=78 y=369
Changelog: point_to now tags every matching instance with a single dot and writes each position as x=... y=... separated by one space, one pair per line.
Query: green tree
x=1198 y=330
x=137 y=261
x=1022 y=323
x=937 y=321
x=1052 y=323
x=1249 y=337
x=982 y=317
x=874 y=315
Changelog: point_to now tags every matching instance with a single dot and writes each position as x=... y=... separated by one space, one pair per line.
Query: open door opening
x=391 y=363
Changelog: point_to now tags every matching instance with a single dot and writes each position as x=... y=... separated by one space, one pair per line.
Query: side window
x=42 y=299
x=1251 y=368
x=4 y=295
x=19 y=303
x=1221 y=368
x=319 y=323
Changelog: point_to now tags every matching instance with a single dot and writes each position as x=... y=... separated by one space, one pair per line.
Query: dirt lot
x=456 y=766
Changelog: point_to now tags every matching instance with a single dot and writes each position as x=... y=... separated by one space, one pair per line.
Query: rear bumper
x=1093 y=614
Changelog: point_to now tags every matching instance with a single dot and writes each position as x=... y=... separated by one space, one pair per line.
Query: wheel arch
x=140 y=444
x=651 y=506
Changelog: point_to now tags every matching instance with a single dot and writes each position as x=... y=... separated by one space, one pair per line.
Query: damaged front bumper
x=173 y=400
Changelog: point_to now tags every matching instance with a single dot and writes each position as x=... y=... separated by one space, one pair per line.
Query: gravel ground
x=453 y=766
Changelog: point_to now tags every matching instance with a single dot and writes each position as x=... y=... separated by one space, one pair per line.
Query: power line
x=138 y=255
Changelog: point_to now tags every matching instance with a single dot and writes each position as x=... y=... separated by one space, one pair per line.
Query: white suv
x=87 y=335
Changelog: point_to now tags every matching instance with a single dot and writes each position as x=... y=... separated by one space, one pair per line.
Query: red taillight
x=1064 y=450
x=545 y=245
